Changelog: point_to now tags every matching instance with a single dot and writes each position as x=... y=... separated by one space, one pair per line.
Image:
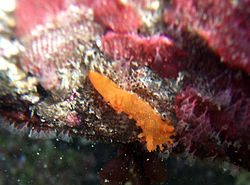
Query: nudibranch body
x=155 y=131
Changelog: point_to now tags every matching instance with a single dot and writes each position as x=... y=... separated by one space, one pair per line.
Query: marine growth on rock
x=173 y=75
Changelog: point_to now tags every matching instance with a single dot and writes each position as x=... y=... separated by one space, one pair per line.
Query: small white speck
x=123 y=2
x=106 y=180
x=8 y=48
x=8 y=6
x=98 y=43
x=155 y=5
x=74 y=8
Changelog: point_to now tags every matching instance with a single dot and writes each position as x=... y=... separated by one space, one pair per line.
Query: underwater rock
x=46 y=91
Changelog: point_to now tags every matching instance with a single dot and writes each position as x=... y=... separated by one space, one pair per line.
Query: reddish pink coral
x=43 y=54
x=120 y=16
x=193 y=110
x=31 y=13
x=223 y=24
x=157 y=51
x=207 y=122
x=41 y=11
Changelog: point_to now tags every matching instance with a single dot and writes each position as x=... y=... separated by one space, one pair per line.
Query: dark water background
x=25 y=161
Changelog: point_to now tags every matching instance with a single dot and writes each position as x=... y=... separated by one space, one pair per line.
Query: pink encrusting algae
x=44 y=55
x=159 y=52
x=204 y=116
x=223 y=24
x=41 y=11
x=120 y=16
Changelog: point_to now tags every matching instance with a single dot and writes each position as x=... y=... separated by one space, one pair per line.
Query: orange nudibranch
x=155 y=131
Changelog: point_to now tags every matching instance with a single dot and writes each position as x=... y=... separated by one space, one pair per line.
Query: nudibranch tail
x=155 y=131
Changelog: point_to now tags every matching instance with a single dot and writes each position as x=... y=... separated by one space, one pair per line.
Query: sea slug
x=155 y=131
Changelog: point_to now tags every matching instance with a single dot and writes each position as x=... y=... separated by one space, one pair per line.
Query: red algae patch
x=155 y=131
x=159 y=52
x=119 y=16
x=223 y=24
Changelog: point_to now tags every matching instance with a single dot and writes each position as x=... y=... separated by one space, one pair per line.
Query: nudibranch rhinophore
x=155 y=131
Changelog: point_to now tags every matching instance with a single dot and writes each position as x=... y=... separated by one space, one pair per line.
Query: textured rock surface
x=46 y=92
